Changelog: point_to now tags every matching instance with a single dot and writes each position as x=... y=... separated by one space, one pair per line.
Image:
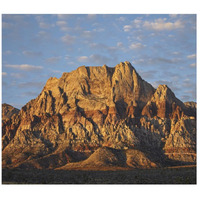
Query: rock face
x=92 y=107
x=8 y=111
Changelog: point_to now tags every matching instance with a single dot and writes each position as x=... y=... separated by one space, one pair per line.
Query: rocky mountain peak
x=8 y=111
x=163 y=104
x=163 y=93
x=92 y=107
x=124 y=66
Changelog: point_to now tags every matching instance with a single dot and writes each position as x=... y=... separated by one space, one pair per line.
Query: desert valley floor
x=172 y=175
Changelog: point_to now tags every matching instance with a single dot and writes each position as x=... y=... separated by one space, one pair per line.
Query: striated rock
x=164 y=104
x=8 y=111
x=190 y=108
x=92 y=107
x=10 y=123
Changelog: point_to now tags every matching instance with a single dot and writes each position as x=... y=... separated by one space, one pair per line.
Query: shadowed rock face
x=163 y=104
x=98 y=106
x=8 y=111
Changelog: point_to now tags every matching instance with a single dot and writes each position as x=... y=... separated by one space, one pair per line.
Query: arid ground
x=173 y=175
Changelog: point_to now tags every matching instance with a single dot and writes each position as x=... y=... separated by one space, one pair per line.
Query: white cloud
x=91 y=16
x=140 y=61
x=192 y=93
x=163 y=60
x=193 y=65
x=32 y=53
x=173 y=15
x=158 y=61
x=63 y=16
x=87 y=34
x=17 y=75
x=57 y=71
x=158 y=24
x=8 y=52
x=53 y=59
x=29 y=93
x=127 y=28
x=137 y=23
x=161 y=24
x=98 y=46
x=99 y=59
x=192 y=56
x=109 y=50
x=61 y=23
x=188 y=83
x=67 y=57
x=6 y=25
x=136 y=46
x=83 y=59
x=99 y=29
x=45 y=25
x=25 y=67
x=68 y=39
x=147 y=74
x=171 y=36
x=94 y=59
x=185 y=98
x=32 y=84
x=120 y=44
x=65 y=28
x=41 y=22
x=121 y=19
x=39 y=18
x=152 y=34
x=71 y=63
x=176 y=53
x=43 y=34
x=4 y=73
x=14 y=17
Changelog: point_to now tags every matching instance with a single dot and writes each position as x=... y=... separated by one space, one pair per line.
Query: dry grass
x=178 y=175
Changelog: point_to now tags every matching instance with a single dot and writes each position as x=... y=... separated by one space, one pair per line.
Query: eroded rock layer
x=93 y=107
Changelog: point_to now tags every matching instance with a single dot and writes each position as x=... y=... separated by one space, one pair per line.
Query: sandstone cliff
x=8 y=111
x=93 y=107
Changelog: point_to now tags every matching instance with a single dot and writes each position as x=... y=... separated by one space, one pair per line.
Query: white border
x=102 y=191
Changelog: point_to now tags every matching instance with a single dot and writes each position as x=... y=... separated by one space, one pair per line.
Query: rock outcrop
x=8 y=111
x=108 y=158
x=92 y=107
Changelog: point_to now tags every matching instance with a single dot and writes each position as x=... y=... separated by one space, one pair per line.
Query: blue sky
x=162 y=48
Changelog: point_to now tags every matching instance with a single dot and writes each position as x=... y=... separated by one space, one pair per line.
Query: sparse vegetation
x=178 y=175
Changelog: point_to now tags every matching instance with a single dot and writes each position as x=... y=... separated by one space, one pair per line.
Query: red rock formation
x=163 y=104
x=96 y=106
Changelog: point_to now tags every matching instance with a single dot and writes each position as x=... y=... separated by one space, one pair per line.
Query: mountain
x=8 y=111
x=90 y=108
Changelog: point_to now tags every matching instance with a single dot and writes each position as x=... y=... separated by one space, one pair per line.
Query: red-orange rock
x=93 y=107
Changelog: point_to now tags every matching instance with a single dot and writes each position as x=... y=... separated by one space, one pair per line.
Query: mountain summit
x=93 y=107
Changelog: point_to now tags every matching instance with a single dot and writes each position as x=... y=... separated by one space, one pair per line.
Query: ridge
x=92 y=107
